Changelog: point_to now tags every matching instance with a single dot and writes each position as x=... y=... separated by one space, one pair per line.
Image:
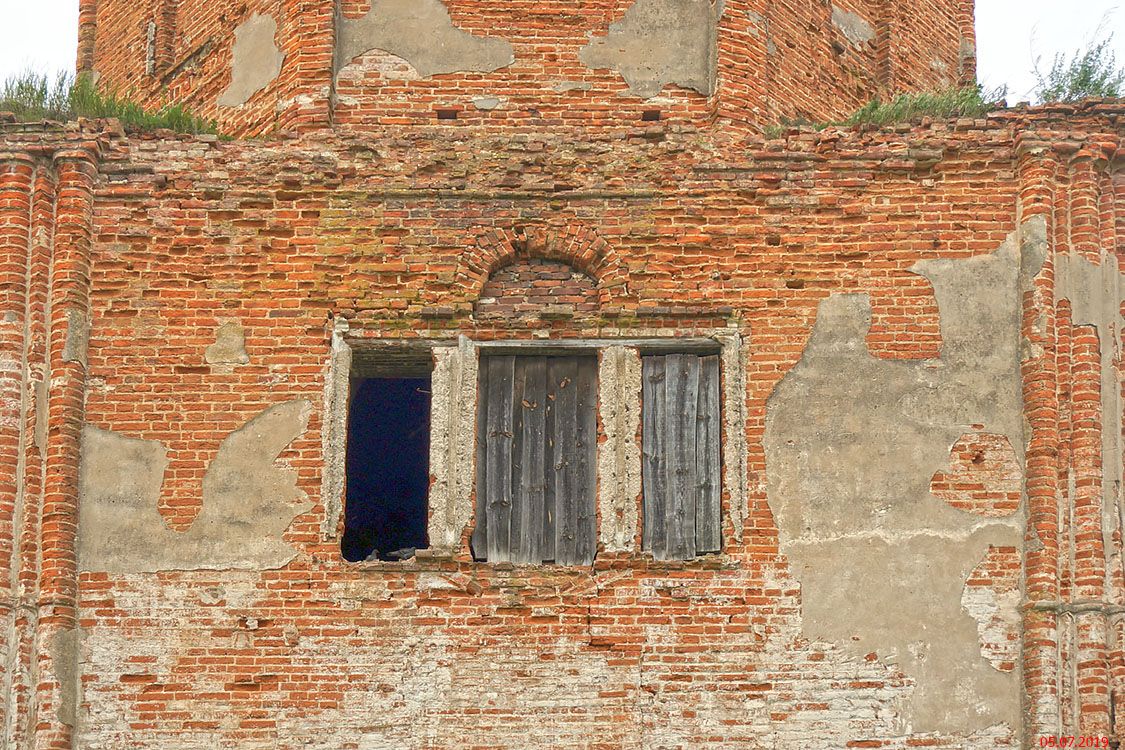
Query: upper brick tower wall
x=256 y=65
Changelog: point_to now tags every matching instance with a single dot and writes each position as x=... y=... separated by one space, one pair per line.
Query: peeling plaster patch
x=619 y=455
x=658 y=42
x=422 y=33
x=255 y=60
x=851 y=445
x=452 y=408
x=992 y=597
x=248 y=501
x=77 y=337
x=229 y=347
x=855 y=28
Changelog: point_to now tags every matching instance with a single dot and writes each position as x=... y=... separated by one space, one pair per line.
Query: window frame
x=451 y=502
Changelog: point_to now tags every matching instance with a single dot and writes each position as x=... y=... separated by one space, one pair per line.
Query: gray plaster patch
x=422 y=33
x=658 y=42
x=619 y=455
x=64 y=647
x=77 y=336
x=229 y=347
x=851 y=444
x=967 y=50
x=564 y=86
x=453 y=406
x=255 y=60
x=855 y=28
x=248 y=501
x=486 y=103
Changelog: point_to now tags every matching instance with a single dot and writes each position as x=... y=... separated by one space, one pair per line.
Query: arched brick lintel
x=579 y=247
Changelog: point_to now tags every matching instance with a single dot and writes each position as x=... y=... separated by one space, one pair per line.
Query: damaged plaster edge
x=619 y=456
x=334 y=437
x=452 y=408
x=735 y=458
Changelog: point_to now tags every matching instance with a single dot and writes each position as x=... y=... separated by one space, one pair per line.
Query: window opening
x=680 y=469
x=388 y=468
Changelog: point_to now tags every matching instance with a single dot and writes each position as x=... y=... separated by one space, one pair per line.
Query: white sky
x=1010 y=34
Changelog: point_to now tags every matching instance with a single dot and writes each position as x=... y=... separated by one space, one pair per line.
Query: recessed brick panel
x=533 y=287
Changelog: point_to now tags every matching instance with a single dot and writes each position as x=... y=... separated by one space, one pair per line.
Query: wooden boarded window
x=536 y=442
x=681 y=464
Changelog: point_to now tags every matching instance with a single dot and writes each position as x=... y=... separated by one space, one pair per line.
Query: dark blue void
x=388 y=468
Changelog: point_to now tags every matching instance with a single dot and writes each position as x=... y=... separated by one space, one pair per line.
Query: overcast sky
x=1010 y=34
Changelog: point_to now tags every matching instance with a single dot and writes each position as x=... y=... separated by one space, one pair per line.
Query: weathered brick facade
x=259 y=65
x=919 y=331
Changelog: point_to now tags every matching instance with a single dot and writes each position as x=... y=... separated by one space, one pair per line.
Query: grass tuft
x=1089 y=73
x=970 y=101
x=34 y=96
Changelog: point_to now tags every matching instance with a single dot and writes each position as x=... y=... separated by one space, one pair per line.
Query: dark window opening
x=681 y=455
x=388 y=468
x=536 y=445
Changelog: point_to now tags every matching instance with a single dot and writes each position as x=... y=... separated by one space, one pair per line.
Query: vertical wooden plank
x=653 y=452
x=550 y=499
x=681 y=395
x=562 y=373
x=708 y=519
x=498 y=458
x=528 y=469
x=516 y=467
x=479 y=541
x=585 y=479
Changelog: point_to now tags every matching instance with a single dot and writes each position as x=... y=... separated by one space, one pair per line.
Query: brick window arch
x=576 y=246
